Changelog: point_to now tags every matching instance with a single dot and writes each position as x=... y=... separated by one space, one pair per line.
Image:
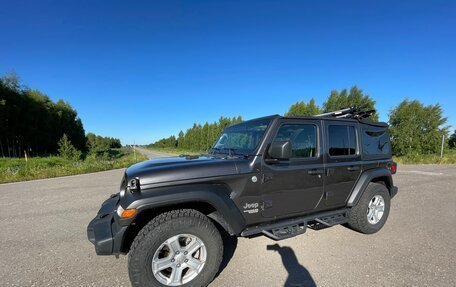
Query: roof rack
x=349 y=113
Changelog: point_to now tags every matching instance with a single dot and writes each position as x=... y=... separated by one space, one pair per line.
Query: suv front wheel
x=176 y=248
x=372 y=210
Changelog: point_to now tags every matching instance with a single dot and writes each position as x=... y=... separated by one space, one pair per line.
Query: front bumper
x=105 y=230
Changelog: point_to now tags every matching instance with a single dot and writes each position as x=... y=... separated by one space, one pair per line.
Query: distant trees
x=95 y=142
x=30 y=121
x=198 y=137
x=354 y=97
x=99 y=146
x=335 y=101
x=452 y=140
x=416 y=128
x=169 y=142
x=303 y=109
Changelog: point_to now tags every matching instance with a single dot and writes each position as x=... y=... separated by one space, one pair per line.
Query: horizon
x=141 y=72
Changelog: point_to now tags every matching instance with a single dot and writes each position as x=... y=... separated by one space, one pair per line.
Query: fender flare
x=226 y=212
x=367 y=177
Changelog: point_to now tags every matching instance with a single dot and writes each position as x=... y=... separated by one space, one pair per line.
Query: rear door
x=343 y=159
x=294 y=185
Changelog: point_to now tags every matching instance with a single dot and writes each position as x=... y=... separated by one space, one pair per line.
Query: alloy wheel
x=179 y=260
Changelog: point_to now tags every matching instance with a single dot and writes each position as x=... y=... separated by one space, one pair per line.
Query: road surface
x=43 y=239
x=152 y=153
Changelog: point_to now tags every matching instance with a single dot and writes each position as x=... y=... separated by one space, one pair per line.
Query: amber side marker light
x=127 y=213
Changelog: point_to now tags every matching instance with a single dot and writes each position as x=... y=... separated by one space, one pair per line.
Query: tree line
x=31 y=122
x=199 y=137
x=415 y=128
x=335 y=101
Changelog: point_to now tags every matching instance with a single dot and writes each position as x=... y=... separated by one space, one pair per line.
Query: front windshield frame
x=233 y=150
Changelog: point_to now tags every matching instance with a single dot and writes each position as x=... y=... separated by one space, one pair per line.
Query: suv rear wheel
x=372 y=210
x=176 y=248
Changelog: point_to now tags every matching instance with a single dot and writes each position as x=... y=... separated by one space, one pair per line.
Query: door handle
x=353 y=168
x=315 y=171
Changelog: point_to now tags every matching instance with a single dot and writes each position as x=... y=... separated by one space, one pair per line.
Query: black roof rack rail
x=349 y=113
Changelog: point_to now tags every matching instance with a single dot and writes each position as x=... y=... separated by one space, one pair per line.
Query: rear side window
x=375 y=142
x=303 y=139
x=342 y=140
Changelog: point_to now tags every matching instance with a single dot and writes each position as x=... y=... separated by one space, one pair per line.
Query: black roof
x=362 y=121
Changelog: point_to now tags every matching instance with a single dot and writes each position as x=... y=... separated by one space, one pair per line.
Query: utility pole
x=134 y=148
x=441 y=149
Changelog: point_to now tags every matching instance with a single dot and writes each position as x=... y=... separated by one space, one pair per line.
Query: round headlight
x=123 y=186
x=120 y=210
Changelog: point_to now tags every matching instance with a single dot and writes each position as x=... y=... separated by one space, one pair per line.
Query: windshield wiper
x=214 y=149
x=219 y=150
x=231 y=151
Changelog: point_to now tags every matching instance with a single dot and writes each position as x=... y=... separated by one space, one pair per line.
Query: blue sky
x=142 y=70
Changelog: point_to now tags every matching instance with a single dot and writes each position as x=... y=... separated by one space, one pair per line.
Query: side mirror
x=280 y=150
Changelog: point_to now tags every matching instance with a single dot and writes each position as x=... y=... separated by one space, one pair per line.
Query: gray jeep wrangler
x=274 y=176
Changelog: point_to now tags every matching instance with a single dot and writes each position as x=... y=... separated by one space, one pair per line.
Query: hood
x=180 y=168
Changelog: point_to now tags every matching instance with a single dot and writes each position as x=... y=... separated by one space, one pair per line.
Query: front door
x=296 y=185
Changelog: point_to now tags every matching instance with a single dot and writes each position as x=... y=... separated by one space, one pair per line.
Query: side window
x=375 y=142
x=303 y=139
x=342 y=140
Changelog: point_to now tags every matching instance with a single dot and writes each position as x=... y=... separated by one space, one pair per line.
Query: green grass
x=449 y=157
x=176 y=151
x=17 y=169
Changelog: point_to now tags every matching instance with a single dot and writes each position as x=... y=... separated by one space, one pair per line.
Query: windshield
x=241 y=138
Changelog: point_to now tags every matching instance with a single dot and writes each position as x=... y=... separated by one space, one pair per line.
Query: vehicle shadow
x=298 y=275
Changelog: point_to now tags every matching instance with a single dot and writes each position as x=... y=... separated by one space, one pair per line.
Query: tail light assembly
x=393 y=167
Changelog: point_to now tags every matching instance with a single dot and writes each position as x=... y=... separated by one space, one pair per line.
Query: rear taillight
x=393 y=167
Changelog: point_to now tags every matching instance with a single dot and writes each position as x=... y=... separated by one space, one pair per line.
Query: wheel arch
x=377 y=175
x=213 y=202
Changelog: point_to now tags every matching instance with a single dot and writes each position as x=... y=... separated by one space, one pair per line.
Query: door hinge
x=329 y=171
x=329 y=194
x=267 y=204
x=266 y=177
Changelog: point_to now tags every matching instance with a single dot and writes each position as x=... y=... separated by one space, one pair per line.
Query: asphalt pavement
x=152 y=153
x=43 y=239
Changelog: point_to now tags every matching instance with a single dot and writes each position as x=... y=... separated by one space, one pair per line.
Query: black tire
x=165 y=226
x=358 y=217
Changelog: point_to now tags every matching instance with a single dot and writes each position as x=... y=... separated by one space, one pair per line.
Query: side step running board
x=292 y=227
x=328 y=221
